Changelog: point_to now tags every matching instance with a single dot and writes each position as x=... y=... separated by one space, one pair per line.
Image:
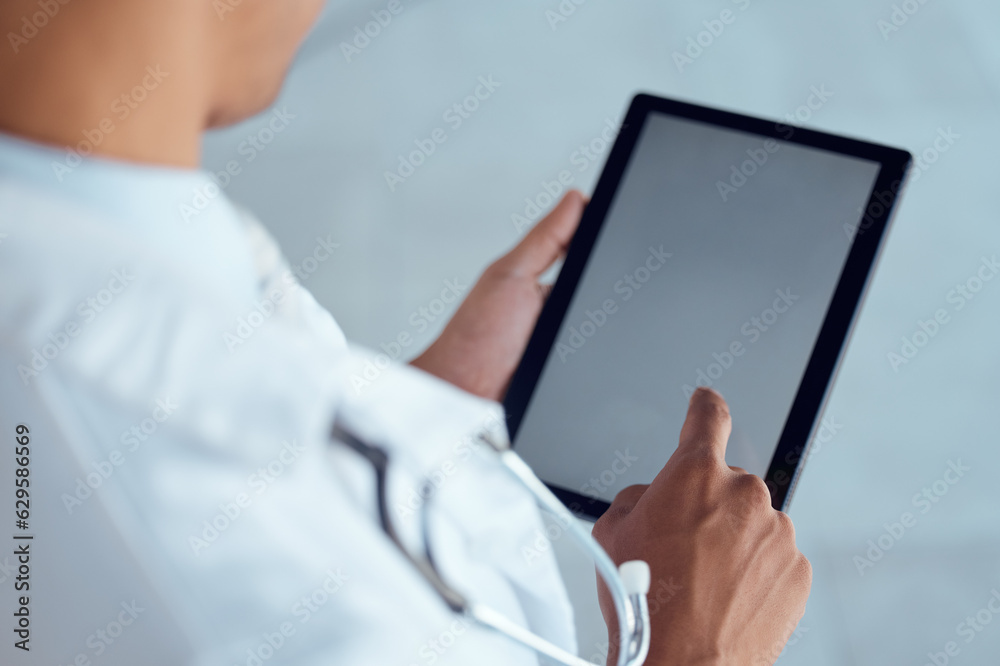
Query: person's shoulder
x=43 y=237
x=56 y=255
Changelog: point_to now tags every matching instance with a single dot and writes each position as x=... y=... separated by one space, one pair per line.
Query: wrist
x=671 y=656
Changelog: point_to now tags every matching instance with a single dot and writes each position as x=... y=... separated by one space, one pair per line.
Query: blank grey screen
x=715 y=266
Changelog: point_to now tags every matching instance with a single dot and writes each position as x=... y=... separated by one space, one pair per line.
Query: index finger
x=707 y=426
x=703 y=437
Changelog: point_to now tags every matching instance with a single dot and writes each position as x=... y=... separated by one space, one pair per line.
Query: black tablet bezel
x=784 y=470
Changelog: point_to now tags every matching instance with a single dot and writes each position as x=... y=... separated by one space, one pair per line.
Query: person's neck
x=103 y=88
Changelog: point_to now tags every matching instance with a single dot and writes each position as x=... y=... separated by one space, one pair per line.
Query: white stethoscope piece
x=628 y=584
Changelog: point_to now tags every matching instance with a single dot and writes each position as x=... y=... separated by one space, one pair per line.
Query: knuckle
x=609 y=527
x=786 y=528
x=607 y=530
x=629 y=495
x=803 y=569
x=499 y=269
x=754 y=490
x=603 y=528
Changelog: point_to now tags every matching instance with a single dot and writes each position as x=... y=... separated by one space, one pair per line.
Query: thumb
x=707 y=427
x=548 y=240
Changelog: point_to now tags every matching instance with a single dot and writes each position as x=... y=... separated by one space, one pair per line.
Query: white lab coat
x=187 y=506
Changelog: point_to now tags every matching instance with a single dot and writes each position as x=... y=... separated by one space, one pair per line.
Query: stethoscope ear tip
x=635 y=577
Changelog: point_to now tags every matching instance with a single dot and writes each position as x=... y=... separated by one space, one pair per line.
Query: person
x=170 y=387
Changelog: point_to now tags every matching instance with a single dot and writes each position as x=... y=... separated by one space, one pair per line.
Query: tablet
x=717 y=250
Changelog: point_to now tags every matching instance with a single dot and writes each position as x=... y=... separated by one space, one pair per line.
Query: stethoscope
x=627 y=584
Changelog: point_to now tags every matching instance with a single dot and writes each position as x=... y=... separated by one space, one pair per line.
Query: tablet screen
x=715 y=266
